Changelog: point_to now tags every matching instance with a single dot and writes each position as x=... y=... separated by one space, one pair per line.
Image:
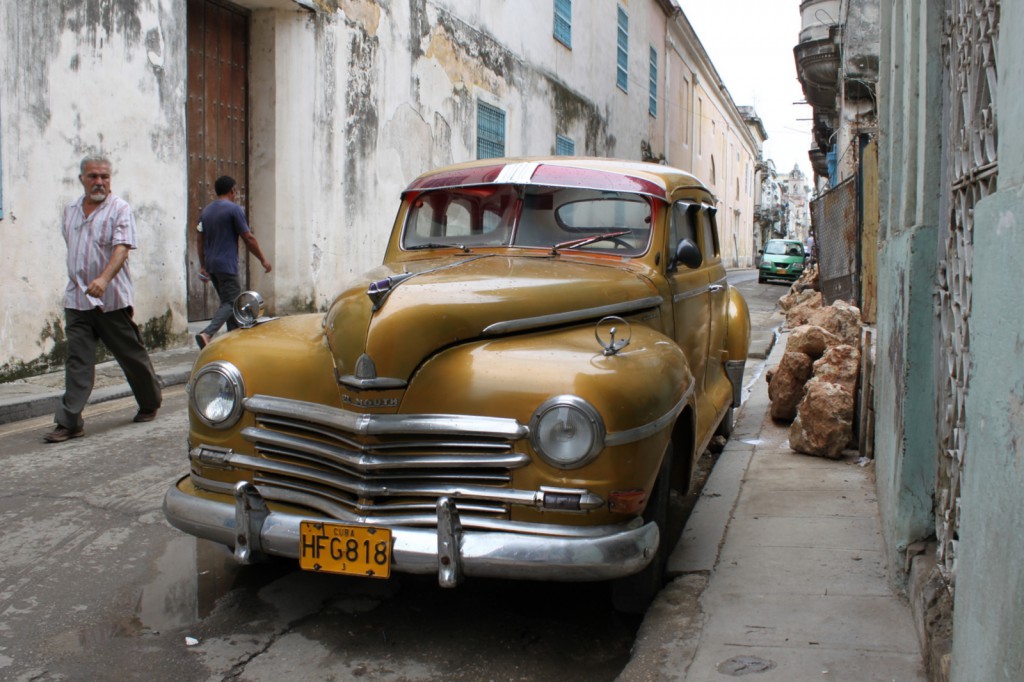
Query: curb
x=40 y=404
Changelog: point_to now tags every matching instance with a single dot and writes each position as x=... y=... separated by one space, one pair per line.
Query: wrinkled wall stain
x=156 y=333
x=362 y=122
x=325 y=114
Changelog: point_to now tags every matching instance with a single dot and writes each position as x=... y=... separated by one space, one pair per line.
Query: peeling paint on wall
x=362 y=122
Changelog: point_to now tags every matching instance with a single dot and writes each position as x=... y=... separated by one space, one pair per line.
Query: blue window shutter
x=563 y=22
x=622 y=72
x=652 y=104
x=564 y=146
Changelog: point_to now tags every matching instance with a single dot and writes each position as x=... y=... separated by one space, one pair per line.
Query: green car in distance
x=782 y=259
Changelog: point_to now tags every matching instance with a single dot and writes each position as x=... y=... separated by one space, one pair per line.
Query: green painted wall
x=988 y=615
x=905 y=434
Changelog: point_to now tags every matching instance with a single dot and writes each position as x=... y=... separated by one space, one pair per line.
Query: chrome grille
x=364 y=466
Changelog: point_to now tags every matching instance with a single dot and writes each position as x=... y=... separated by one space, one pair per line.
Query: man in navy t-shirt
x=221 y=224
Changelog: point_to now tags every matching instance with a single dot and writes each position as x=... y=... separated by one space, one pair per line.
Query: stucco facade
x=949 y=377
x=348 y=101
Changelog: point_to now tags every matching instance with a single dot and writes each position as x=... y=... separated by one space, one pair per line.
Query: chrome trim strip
x=325 y=502
x=365 y=462
x=387 y=424
x=439 y=442
x=604 y=553
x=651 y=428
x=397 y=488
x=378 y=383
x=691 y=293
x=475 y=514
x=522 y=324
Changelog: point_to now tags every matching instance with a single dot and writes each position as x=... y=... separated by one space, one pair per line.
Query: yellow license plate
x=340 y=548
x=780 y=271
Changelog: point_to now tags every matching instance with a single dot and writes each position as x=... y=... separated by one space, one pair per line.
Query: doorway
x=217 y=122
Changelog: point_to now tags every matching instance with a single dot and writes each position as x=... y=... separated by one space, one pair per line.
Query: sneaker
x=145 y=416
x=63 y=433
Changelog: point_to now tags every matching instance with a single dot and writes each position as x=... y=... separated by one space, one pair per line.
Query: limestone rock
x=795 y=298
x=811 y=340
x=840 y=318
x=839 y=365
x=786 y=387
x=802 y=306
x=824 y=422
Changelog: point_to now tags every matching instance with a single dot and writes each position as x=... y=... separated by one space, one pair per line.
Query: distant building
x=797 y=197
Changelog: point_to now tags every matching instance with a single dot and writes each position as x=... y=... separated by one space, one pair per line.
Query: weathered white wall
x=347 y=105
x=80 y=78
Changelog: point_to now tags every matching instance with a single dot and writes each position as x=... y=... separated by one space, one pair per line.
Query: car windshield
x=529 y=216
x=783 y=249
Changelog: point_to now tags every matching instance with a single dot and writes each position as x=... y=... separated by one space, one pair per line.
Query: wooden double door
x=217 y=121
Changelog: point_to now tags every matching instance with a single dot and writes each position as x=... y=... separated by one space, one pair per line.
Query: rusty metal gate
x=218 y=124
x=971 y=37
x=835 y=217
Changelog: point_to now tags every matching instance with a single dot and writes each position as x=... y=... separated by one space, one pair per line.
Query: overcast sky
x=751 y=45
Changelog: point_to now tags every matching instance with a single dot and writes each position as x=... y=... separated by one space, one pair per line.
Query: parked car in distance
x=517 y=392
x=782 y=259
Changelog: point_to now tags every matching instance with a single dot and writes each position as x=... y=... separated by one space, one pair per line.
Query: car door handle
x=715 y=288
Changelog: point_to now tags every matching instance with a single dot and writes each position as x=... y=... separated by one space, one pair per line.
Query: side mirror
x=688 y=254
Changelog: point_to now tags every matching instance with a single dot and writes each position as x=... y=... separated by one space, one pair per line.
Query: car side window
x=709 y=229
x=684 y=224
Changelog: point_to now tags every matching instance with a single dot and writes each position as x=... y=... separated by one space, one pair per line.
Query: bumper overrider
x=449 y=550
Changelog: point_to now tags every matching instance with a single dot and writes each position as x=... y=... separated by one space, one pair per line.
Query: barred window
x=564 y=146
x=490 y=131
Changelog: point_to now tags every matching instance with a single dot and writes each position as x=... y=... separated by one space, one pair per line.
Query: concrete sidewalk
x=780 y=571
x=40 y=395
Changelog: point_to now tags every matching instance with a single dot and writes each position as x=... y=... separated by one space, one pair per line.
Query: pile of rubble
x=815 y=384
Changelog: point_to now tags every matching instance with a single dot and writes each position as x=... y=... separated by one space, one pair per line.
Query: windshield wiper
x=583 y=241
x=435 y=245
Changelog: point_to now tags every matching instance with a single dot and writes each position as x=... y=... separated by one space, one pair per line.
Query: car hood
x=430 y=305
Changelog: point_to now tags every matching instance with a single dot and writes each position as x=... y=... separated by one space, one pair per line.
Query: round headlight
x=567 y=432
x=247 y=308
x=217 y=394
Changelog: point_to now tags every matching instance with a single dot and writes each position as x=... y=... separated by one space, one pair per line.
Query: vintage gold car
x=516 y=392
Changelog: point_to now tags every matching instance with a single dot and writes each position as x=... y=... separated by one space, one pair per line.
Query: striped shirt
x=90 y=243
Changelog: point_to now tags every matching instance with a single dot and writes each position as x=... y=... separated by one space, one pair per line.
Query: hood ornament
x=610 y=344
x=380 y=289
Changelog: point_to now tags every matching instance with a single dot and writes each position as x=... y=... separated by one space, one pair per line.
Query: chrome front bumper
x=449 y=550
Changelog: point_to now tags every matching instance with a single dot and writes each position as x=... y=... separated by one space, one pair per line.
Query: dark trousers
x=228 y=289
x=121 y=336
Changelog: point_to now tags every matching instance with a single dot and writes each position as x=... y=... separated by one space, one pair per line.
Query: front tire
x=634 y=593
